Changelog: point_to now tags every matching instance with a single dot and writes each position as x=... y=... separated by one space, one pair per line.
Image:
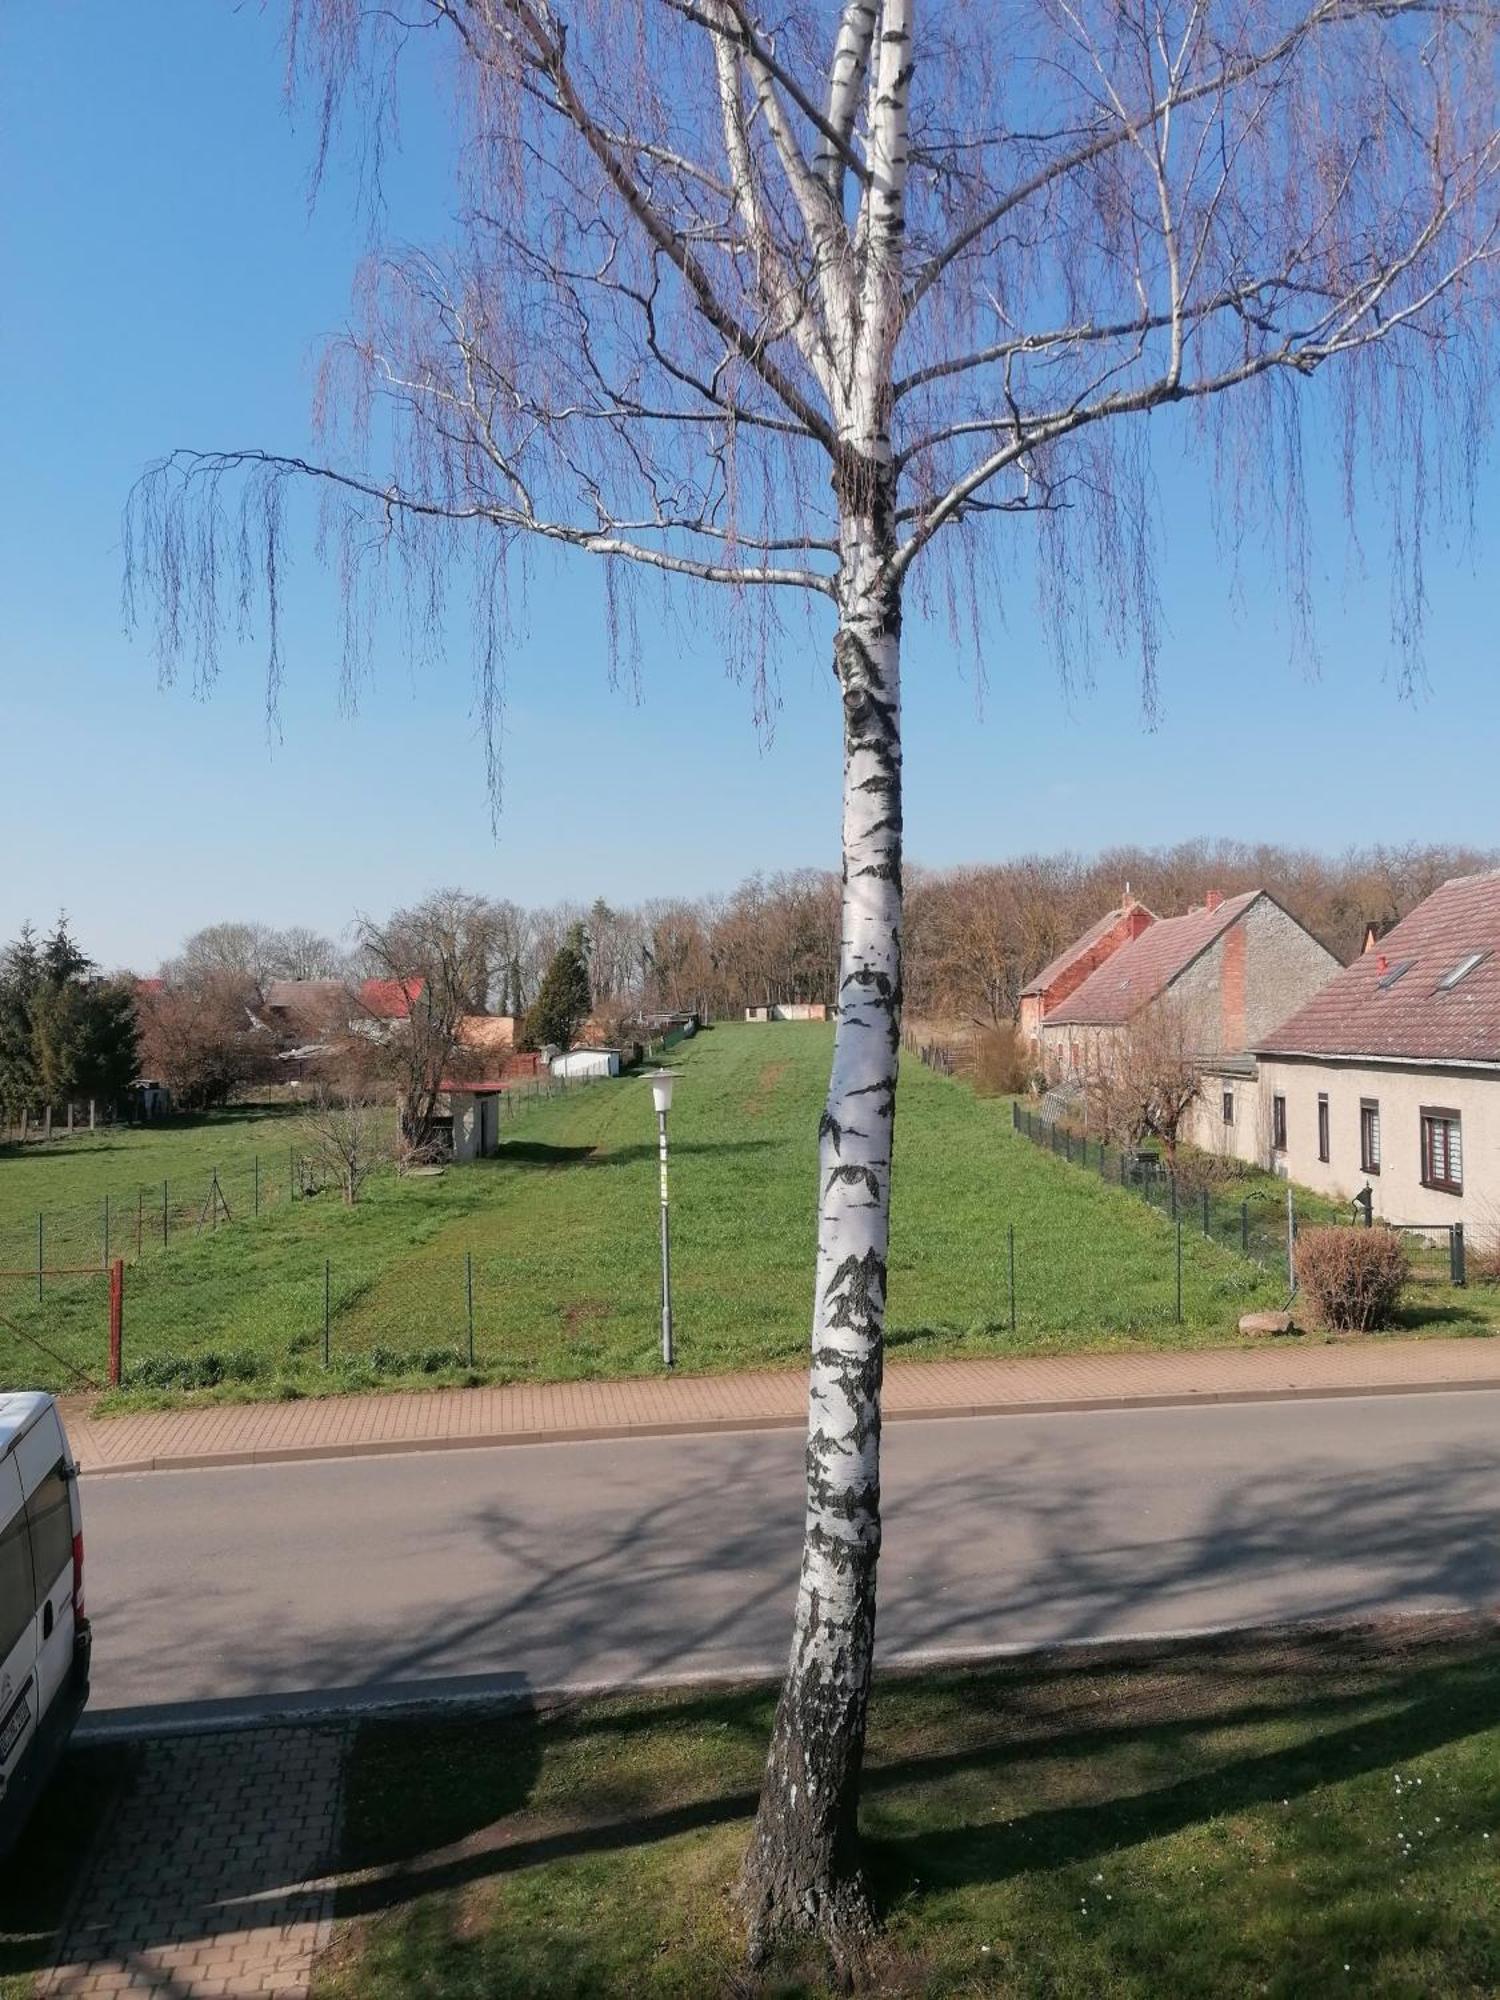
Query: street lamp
x=661 y=1081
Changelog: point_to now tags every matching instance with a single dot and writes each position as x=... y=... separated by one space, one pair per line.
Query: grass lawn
x=559 y=1236
x=69 y=1179
x=1289 y=1815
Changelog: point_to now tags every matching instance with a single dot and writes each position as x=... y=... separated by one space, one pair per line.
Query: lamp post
x=661 y=1081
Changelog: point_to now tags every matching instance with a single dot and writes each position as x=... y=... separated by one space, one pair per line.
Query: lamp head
x=661 y=1081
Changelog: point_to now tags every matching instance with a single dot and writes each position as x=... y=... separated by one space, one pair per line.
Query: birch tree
x=868 y=305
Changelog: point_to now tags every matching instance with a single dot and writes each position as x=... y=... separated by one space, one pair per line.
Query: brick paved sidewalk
x=251 y=1433
x=212 y=1878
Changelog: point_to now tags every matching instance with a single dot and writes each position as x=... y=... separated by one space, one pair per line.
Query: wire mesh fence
x=138 y=1219
x=200 y=1305
x=141 y=1220
x=1261 y=1222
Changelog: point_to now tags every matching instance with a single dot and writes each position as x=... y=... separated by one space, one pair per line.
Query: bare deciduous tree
x=345 y=1128
x=197 y=1035
x=347 y=1125
x=779 y=302
x=1143 y=1080
x=432 y=958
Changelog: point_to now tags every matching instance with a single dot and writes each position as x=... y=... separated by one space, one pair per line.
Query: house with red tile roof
x=1066 y=973
x=1388 y=1077
x=1229 y=970
x=390 y=999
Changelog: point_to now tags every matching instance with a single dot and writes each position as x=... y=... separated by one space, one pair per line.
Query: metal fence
x=160 y=1326
x=1262 y=1223
x=140 y=1219
x=185 y=1323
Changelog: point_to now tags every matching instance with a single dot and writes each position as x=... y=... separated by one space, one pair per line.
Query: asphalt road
x=575 y=1564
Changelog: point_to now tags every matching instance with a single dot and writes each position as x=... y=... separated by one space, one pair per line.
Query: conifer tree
x=563 y=1004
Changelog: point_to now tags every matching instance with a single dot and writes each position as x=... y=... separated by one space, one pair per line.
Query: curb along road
x=481 y=1440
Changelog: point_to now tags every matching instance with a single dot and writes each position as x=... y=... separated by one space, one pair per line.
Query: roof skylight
x=1398 y=971
x=1461 y=971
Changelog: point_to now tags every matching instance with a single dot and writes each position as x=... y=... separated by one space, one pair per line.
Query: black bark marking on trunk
x=854 y=1176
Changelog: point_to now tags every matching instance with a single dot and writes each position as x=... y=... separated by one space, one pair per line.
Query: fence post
x=1012 y=1235
x=1174 y=1197
x=1179 y=1270
x=116 y=1318
x=1015 y=1116
x=1207 y=1223
x=327 y=1306
x=1457 y=1260
x=1291 y=1240
x=469 y=1296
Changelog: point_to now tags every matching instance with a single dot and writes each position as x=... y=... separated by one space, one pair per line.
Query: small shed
x=587 y=1062
x=475 y=1108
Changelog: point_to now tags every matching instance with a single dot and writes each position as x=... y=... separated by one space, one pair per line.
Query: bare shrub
x=1353 y=1278
x=1002 y=1062
x=345 y=1131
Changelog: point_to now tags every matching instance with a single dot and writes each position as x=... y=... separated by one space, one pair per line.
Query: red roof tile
x=1141 y=970
x=1413 y=1017
x=1052 y=972
x=390 y=999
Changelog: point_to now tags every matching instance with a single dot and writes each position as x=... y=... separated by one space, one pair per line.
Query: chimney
x=1212 y=900
x=1127 y=901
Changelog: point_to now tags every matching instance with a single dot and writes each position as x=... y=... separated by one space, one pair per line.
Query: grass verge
x=1287 y=1814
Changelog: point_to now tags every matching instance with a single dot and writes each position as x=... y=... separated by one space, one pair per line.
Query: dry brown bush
x=1002 y=1063
x=1353 y=1278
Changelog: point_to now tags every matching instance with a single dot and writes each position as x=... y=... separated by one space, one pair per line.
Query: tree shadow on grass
x=1423 y=1696
x=1433 y=1706
x=537 y=1153
x=1461 y=1318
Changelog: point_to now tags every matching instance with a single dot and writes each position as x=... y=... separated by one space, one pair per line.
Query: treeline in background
x=974 y=935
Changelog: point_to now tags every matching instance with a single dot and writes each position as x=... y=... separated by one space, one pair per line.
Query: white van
x=44 y=1636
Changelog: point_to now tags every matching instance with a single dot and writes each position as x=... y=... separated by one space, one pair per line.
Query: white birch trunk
x=802 y=1872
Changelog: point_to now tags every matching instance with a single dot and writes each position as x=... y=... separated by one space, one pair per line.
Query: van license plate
x=15 y=1727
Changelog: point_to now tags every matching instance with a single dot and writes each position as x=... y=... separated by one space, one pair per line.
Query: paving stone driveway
x=214 y=1875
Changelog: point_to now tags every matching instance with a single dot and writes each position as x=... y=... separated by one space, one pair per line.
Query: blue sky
x=165 y=284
